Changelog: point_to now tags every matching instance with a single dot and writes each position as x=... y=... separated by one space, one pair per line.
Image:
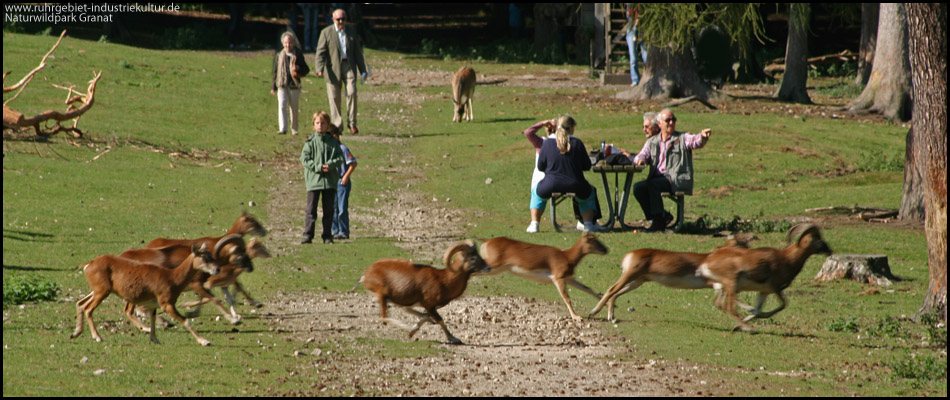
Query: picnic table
x=621 y=195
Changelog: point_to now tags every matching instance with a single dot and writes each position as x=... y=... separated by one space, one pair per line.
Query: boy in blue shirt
x=341 y=216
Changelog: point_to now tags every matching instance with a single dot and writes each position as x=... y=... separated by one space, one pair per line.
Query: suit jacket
x=328 y=58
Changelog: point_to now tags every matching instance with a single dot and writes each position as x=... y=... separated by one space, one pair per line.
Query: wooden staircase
x=617 y=66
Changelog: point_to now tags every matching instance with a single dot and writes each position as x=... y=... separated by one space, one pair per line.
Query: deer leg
x=435 y=317
x=89 y=308
x=608 y=299
x=230 y=299
x=577 y=284
x=79 y=315
x=254 y=303
x=626 y=288
x=151 y=319
x=169 y=309
x=758 y=308
x=559 y=283
x=208 y=297
x=729 y=306
x=423 y=318
x=128 y=311
x=384 y=312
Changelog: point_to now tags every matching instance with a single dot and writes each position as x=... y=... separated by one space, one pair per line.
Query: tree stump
x=866 y=268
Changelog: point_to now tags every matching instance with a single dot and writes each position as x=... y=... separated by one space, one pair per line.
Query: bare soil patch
x=514 y=347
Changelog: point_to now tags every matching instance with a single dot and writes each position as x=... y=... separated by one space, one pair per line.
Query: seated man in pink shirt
x=670 y=155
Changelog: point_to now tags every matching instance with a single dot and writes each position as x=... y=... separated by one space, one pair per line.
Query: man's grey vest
x=679 y=161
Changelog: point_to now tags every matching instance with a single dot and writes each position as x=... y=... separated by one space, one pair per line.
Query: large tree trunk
x=548 y=22
x=750 y=70
x=912 y=200
x=669 y=73
x=796 y=56
x=869 y=18
x=927 y=25
x=889 y=86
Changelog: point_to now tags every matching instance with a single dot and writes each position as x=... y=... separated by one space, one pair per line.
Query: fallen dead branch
x=878 y=217
x=852 y=209
x=101 y=154
x=15 y=120
x=778 y=65
x=870 y=214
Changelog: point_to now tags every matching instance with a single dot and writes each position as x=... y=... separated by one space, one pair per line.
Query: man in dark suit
x=340 y=61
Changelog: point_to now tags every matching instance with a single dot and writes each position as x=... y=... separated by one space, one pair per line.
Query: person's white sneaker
x=580 y=225
x=532 y=227
x=592 y=227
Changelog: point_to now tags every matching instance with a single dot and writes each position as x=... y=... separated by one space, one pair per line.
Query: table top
x=601 y=166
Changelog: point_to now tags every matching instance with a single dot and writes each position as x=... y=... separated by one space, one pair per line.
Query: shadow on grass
x=26 y=236
x=22 y=268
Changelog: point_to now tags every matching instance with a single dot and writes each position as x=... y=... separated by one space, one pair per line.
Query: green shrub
x=849 y=324
x=193 y=36
x=877 y=161
x=888 y=327
x=922 y=368
x=936 y=330
x=705 y=224
x=20 y=289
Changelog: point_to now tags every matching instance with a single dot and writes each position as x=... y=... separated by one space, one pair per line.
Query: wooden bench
x=679 y=198
x=557 y=198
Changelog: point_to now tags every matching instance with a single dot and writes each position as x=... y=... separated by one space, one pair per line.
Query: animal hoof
x=204 y=342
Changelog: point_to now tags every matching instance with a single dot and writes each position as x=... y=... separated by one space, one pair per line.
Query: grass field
x=185 y=142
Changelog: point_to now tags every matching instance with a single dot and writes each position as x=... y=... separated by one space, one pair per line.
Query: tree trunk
x=869 y=18
x=669 y=73
x=889 y=86
x=749 y=70
x=927 y=25
x=548 y=20
x=796 y=56
x=912 y=200
x=865 y=268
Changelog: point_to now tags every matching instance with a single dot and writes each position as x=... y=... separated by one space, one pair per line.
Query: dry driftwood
x=870 y=214
x=778 y=65
x=13 y=119
x=853 y=209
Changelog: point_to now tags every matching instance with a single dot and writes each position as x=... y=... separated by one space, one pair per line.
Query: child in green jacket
x=321 y=158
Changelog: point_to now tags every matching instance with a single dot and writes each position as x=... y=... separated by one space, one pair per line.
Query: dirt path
x=514 y=346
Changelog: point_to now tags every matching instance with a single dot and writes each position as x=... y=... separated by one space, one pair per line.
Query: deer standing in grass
x=463 y=87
